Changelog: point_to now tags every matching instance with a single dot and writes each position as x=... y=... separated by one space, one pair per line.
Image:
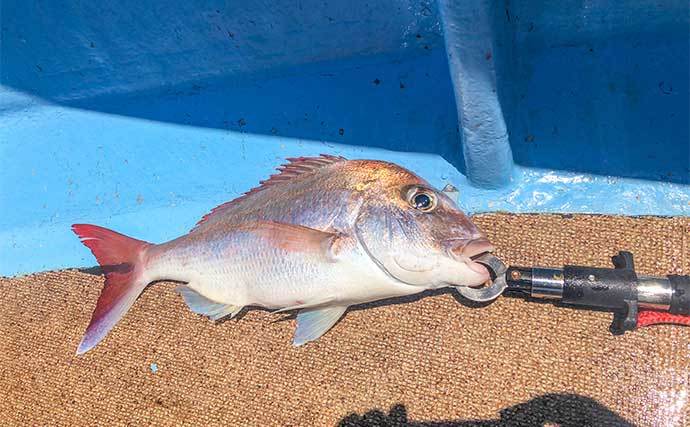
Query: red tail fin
x=120 y=258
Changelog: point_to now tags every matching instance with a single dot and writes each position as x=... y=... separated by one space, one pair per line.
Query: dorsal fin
x=296 y=166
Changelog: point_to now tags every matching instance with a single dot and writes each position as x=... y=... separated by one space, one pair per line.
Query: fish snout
x=469 y=249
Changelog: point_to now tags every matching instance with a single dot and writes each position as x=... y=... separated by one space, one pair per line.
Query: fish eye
x=423 y=200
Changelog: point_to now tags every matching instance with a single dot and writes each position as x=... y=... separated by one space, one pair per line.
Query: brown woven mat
x=431 y=359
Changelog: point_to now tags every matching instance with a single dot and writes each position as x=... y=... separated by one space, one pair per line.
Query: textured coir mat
x=427 y=360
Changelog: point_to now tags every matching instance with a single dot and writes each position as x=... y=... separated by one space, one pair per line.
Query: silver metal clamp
x=497 y=269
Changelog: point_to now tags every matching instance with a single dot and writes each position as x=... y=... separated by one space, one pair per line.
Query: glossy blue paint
x=599 y=87
x=470 y=45
x=143 y=118
x=153 y=165
x=67 y=49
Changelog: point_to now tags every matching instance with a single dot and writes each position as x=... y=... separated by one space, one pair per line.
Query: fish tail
x=122 y=260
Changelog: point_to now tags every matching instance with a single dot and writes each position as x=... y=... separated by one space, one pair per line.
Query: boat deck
x=428 y=359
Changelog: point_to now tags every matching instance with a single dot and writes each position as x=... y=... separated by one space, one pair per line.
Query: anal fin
x=312 y=323
x=199 y=304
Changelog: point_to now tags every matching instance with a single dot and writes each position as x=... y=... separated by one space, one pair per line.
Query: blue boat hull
x=142 y=117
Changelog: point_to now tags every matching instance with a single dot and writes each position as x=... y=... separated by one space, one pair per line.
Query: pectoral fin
x=297 y=238
x=312 y=323
x=199 y=304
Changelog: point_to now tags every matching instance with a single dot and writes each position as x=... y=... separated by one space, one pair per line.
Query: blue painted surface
x=166 y=115
x=470 y=45
x=599 y=87
x=67 y=49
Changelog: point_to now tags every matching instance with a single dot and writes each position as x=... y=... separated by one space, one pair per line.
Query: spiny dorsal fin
x=296 y=166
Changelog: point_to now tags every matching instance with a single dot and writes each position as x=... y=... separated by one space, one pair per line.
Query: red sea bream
x=323 y=234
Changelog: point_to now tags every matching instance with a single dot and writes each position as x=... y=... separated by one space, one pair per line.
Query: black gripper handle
x=680 y=300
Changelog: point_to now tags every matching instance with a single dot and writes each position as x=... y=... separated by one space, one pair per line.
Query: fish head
x=418 y=235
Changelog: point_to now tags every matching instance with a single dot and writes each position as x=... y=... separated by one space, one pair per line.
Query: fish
x=321 y=235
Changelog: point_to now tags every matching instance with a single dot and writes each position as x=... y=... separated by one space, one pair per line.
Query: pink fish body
x=323 y=234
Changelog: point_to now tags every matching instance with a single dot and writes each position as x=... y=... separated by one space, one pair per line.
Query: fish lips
x=466 y=250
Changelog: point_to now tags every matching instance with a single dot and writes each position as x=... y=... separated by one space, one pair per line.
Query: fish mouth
x=477 y=247
x=469 y=250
